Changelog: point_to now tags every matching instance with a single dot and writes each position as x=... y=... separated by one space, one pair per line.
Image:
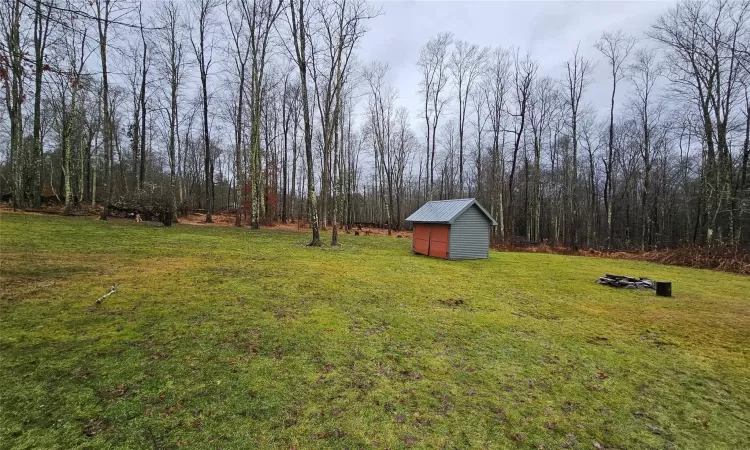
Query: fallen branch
x=112 y=290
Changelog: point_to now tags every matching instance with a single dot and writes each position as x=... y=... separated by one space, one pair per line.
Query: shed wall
x=470 y=235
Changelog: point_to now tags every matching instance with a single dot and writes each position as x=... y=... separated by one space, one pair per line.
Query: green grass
x=233 y=338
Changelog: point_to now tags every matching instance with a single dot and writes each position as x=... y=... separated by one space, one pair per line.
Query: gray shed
x=452 y=229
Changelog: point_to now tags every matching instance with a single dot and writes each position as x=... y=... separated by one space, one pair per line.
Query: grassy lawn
x=233 y=338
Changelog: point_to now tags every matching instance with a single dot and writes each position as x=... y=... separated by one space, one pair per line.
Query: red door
x=439 y=240
x=421 y=238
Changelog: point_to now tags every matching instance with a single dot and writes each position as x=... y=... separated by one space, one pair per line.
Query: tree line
x=266 y=109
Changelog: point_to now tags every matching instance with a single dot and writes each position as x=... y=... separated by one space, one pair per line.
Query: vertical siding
x=470 y=235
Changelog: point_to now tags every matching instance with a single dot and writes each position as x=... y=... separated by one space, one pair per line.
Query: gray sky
x=550 y=29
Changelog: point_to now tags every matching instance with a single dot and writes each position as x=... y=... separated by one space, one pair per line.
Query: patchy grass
x=232 y=338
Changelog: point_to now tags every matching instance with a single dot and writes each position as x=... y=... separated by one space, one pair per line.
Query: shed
x=452 y=229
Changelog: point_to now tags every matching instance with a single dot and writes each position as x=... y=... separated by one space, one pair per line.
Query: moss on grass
x=233 y=338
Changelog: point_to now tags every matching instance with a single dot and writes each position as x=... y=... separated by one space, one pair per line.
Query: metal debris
x=626 y=282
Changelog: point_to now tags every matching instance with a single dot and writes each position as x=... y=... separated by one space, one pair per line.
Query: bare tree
x=240 y=51
x=138 y=81
x=702 y=39
x=260 y=17
x=742 y=193
x=12 y=74
x=42 y=31
x=615 y=46
x=203 y=49
x=292 y=112
x=76 y=54
x=524 y=73
x=592 y=144
x=543 y=105
x=173 y=55
x=381 y=111
x=145 y=62
x=433 y=67
x=298 y=21
x=404 y=144
x=465 y=65
x=746 y=145
x=497 y=82
x=577 y=79
x=645 y=73
x=341 y=28
x=481 y=117
x=104 y=10
x=288 y=125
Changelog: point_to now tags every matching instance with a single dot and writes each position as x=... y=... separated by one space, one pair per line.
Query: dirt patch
x=452 y=302
x=220 y=219
x=92 y=427
x=116 y=392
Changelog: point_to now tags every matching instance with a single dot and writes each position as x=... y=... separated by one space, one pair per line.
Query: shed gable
x=470 y=235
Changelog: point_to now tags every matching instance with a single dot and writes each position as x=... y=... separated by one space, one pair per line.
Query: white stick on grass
x=112 y=290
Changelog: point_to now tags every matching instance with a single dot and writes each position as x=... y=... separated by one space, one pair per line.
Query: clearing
x=233 y=338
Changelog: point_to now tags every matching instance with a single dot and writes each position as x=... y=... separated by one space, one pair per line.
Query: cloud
x=550 y=29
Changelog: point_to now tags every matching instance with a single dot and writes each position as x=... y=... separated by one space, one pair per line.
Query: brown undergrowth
x=716 y=258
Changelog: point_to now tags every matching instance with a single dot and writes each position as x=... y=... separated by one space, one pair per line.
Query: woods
x=269 y=110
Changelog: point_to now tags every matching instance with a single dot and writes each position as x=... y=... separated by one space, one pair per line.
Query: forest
x=268 y=110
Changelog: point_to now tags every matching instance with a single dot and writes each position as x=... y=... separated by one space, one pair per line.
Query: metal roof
x=445 y=211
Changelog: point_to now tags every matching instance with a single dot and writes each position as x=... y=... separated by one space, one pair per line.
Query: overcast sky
x=550 y=29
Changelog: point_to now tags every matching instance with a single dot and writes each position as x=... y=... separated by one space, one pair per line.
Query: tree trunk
x=41 y=27
x=300 y=35
x=142 y=98
x=103 y=26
